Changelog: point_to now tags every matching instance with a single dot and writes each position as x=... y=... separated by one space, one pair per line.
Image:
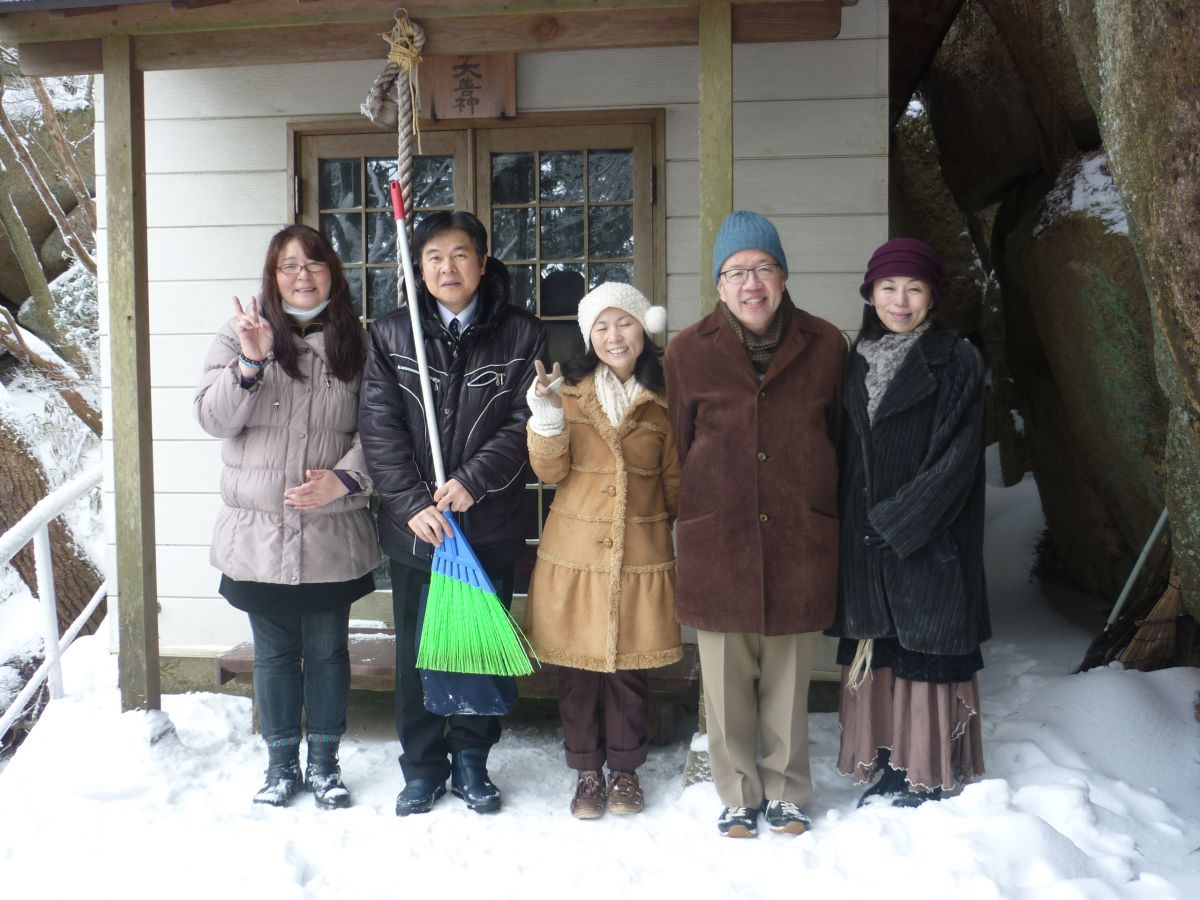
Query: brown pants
x=756 y=689
x=604 y=718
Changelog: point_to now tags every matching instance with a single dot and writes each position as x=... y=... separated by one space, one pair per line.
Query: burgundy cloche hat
x=908 y=257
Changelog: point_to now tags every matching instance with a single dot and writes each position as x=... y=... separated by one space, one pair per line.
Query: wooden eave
x=188 y=34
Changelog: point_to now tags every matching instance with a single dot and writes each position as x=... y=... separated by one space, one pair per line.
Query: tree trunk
x=22 y=484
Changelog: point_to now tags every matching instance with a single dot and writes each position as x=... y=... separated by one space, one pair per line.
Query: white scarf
x=614 y=396
x=304 y=315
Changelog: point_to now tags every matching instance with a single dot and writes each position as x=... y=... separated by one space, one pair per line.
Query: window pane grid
x=364 y=234
x=570 y=203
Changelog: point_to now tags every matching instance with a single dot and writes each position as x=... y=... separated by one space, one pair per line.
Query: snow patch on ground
x=1092 y=791
x=1085 y=186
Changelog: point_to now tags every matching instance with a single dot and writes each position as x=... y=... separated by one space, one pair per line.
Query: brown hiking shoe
x=588 y=802
x=625 y=794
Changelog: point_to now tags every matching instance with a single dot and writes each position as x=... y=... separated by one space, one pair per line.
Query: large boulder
x=1037 y=43
x=1081 y=345
x=922 y=207
x=1138 y=63
x=985 y=126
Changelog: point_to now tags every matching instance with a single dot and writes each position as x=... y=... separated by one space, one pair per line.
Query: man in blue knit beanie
x=754 y=396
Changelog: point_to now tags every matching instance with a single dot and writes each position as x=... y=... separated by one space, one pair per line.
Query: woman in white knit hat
x=602 y=597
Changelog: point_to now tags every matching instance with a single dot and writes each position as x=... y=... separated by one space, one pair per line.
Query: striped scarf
x=761 y=349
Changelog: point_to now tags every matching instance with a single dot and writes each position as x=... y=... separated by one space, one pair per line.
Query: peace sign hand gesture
x=548 y=385
x=254 y=333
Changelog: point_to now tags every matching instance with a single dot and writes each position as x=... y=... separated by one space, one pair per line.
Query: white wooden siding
x=810 y=148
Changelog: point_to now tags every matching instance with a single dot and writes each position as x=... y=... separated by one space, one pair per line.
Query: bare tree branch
x=43 y=190
x=13 y=341
x=63 y=150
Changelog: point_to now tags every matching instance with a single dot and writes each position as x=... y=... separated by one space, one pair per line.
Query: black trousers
x=428 y=740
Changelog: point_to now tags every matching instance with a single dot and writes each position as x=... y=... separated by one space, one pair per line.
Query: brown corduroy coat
x=757 y=535
x=602 y=596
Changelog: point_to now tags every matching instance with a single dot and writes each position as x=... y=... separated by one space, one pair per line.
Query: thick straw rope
x=405 y=42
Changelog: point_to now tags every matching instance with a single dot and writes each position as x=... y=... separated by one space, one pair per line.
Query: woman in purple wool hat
x=912 y=607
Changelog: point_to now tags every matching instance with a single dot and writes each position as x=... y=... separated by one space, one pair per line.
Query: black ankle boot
x=283 y=775
x=323 y=775
x=469 y=780
x=890 y=783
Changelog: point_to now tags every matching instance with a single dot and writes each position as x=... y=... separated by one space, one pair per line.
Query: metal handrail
x=35 y=526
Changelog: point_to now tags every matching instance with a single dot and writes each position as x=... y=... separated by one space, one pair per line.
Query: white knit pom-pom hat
x=653 y=319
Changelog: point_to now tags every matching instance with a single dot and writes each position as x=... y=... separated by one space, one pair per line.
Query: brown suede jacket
x=757 y=535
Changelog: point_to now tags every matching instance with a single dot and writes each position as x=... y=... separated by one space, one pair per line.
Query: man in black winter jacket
x=480 y=349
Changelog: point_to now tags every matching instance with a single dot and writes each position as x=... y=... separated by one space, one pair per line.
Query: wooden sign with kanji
x=469 y=86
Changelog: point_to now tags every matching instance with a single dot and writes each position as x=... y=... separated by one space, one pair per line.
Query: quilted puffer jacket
x=271 y=434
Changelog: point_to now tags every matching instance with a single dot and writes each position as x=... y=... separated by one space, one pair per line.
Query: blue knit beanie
x=746 y=230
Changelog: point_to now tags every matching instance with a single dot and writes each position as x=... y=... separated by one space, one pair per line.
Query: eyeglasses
x=765 y=272
x=291 y=270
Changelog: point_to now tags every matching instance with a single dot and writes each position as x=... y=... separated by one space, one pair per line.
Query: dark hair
x=448 y=220
x=345 y=349
x=647 y=368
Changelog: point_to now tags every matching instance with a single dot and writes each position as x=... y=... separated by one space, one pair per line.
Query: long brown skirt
x=932 y=730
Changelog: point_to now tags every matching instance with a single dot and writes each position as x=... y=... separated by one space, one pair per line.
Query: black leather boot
x=323 y=775
x=890 y=783
x=418 y=796
x=283 y=775
x=469 y=780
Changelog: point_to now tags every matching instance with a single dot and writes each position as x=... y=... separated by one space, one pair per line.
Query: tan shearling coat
x=271 y=434
x=602 y=596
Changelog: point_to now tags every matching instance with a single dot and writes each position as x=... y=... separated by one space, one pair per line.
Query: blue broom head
x=455 y=559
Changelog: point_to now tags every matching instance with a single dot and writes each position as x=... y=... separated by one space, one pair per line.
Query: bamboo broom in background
x=1153 y=645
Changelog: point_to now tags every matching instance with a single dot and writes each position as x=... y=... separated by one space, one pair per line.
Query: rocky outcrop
x=985 y=127
x=1080 y=347
x=1095 y=374
x=1138 y=64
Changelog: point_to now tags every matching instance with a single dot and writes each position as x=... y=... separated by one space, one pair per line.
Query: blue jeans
x=301 y=662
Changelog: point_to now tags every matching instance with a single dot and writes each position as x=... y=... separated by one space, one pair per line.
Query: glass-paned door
x=344 y=193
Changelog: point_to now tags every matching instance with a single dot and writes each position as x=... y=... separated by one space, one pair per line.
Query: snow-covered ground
x=1092 y=791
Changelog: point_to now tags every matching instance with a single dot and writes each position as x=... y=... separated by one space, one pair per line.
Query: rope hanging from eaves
x=393 y=101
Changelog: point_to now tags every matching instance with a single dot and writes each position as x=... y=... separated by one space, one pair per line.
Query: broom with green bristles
x=465 y=628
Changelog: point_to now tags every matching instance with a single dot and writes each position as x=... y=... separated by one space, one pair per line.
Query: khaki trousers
x=756 y=689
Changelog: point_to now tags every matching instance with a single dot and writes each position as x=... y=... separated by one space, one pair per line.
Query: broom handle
x=414 y=314
x=1137 y=567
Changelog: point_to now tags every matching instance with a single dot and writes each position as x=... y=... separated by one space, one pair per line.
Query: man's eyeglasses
x=293 y=269
x=765 y=272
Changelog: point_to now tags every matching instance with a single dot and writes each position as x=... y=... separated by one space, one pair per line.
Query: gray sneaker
x=786 y=817
x=738 y=822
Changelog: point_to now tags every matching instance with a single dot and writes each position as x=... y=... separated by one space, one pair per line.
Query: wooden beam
x=82 y=57
x=168 y=18
x=763 y=23
x=716 y=135
x=128 y=300
x=671 y=26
